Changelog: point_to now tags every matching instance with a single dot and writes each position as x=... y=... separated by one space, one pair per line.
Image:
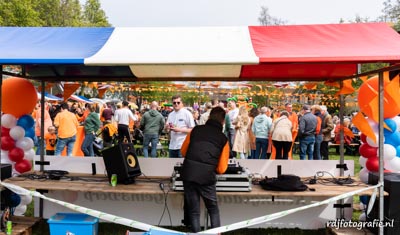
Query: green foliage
x=19 y=13
x=93 y=15
x=59 y=13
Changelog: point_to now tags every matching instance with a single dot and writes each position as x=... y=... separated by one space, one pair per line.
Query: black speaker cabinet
x=121 y=160
x=391 y=202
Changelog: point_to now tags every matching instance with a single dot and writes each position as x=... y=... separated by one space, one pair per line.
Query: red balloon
x=16 y=154
x=15 y=90
x=367 y=151
x=7 y=143
x=363 y=138
x=23 y=166
x=5 y=131
x=372 y=164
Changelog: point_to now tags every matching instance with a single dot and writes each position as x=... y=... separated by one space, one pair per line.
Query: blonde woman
x=241 y=143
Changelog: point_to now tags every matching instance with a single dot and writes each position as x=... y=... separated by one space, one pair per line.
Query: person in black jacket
x=206 y=152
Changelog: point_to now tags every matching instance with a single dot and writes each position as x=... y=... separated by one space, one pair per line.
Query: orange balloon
x=368 y=91
x=19 y=97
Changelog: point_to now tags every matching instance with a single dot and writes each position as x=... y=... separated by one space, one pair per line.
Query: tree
x=19 y=13
x=391 y=13
x=93 y=15
x=266 y=19
x=59 y=13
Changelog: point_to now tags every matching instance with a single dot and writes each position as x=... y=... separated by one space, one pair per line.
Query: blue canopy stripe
x=50 y=45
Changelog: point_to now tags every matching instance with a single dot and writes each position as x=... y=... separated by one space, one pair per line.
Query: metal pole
x=42 y=117
x=1 y=87
x=341 y=110
x=381 y=153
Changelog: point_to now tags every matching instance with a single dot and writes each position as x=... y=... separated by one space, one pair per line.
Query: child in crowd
x=50 y=139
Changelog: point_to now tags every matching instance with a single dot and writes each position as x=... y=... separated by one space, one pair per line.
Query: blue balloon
x=30 y=133
x=364 y=199
x=398 y=151
x=393 y=139
x=392 y=125
x=15 y=200
x=26 y=122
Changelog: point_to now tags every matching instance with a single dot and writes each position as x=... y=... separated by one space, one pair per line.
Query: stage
x=145 y=201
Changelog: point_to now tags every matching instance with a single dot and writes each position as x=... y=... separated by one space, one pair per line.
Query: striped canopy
x=278 y=53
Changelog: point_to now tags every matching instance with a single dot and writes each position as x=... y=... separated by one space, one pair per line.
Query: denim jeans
x=261 y=147
x=62 y=142
x=37 y=144
x=87 y=145
x=307 y=147
x=192 y=194
x=175 y=153
x=317 y=147
x=153 y=139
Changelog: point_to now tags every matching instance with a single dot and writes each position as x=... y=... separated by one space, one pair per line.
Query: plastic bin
x=73 y=224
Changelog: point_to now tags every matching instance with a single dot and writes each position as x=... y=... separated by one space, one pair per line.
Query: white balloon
x=362 y=160
x=25 y=143
x=20 y=210
x=8 y=121
x=397 y=120
x=17 y=132
x=29 y=154
x=25 y=199
x=389 y=152
x=393 y=164
x=364 y=172
x=374 y=125
x=371 y=143
x=6 y=160
x=14 y=172
x=362 y=217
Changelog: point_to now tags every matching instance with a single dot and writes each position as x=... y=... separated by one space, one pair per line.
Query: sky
x=181 y=13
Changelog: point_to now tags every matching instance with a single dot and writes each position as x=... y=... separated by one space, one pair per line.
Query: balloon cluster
x=18 y=203
x=369 y=158
x=17 y=125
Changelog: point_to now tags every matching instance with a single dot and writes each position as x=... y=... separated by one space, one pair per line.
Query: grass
x=42 y=228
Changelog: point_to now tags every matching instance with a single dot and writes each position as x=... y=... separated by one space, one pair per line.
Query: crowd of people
x=252 y=132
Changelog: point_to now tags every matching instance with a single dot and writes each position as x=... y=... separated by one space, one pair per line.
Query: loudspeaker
x=6 y=170
x=391 y=203
x=121 y=160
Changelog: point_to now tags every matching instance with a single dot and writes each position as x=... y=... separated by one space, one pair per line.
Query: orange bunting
x=362 y=124
x=101 y=92
x=364 y=78
x=310 y=86
x=69 y=89
x=332 y=83
x=347 y=88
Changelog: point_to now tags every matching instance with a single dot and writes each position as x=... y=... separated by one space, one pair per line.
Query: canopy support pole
x=1 y=98
x=381 y=152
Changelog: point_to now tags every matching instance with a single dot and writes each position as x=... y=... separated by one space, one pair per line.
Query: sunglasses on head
x=178 y=102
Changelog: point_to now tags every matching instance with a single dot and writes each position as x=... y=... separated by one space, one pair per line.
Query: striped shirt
x=123 y=115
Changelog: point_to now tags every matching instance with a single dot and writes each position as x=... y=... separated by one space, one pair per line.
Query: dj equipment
x=6 y=171
x=391 y=202
x=121 y=160
x=235 y=179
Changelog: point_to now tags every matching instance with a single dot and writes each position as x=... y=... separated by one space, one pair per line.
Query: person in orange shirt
x=67 y=125
x=50 y=139
x=206 y=152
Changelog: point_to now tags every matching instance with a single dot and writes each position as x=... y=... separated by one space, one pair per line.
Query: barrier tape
x=266 y=218
x=104 y=216
x=222 y=229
